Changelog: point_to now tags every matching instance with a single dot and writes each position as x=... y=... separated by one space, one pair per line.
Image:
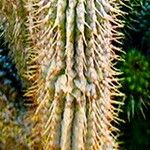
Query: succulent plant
x=136 y=81
x=65 y=55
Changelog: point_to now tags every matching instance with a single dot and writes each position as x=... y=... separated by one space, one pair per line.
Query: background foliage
x=136 y=83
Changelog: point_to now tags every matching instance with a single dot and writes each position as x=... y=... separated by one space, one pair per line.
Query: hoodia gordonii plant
x=64 y=49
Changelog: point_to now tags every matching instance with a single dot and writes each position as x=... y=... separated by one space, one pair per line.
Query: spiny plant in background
x=136 y=86
x=136 y=82
x=144 y=25
x=138 y=25
x=64 y=54
x=136 y=109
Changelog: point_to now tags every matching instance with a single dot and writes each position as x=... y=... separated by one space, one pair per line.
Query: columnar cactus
x=65 y=50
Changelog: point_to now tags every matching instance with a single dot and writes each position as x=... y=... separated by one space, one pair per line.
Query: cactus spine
x=68 y=60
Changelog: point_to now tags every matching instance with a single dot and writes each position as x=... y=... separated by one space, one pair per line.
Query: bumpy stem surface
x=68 y=53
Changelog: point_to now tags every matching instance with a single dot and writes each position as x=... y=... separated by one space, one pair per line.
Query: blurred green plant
x=137 y=26
x=136 y=133
x=136 y=82
x=144 y=24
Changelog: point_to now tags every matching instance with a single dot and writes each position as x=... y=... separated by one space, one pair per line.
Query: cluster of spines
x=70 y=59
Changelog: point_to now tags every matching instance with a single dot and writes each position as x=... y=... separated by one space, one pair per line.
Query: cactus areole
x=64 y=49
